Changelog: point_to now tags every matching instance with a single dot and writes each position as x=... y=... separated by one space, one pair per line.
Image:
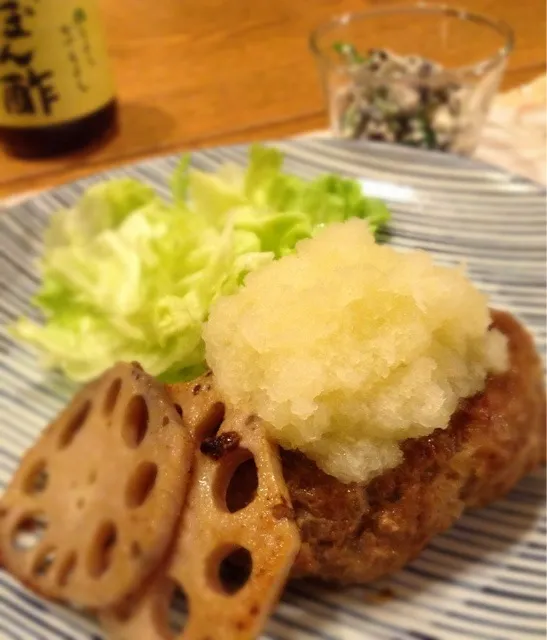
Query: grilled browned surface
x=357 y=533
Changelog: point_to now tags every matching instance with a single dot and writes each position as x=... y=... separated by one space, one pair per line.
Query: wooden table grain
x=194 y=73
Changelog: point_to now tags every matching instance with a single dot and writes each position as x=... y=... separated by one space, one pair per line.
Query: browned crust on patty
x=358 y=533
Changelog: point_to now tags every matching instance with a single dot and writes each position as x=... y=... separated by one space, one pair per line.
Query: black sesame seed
x=425 y=94
x=379 y=137
x=441 y=95
x=361 y=126
x=425 y=70
x=382 y=92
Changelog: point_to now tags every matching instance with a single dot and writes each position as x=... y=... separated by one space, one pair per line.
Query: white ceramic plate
x=485 y=578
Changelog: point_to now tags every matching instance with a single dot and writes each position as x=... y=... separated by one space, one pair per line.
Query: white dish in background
x=485 y=577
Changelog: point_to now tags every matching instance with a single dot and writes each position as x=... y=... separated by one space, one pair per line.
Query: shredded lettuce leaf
x=129 y=276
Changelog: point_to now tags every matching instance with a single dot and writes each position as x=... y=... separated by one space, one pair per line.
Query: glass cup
x=422 y=75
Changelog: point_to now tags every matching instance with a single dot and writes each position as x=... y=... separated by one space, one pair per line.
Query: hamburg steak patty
x=360 y=532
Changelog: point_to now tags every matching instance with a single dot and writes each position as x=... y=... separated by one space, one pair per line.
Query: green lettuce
x=129 y=276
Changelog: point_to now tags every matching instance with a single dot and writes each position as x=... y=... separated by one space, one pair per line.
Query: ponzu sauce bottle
x=56 y=87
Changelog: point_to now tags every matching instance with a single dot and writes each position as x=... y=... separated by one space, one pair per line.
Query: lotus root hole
x=28 y=532
x=236 y=482
x=37 y=479
x=67 y=568
x=44 y=561
x=140 y=484
x=74 y=425
x=178 y=409
x=229 y=569
x=135 y=423
x=212 y=422
x=100 y=554
x=112 y=396
x=177 y=609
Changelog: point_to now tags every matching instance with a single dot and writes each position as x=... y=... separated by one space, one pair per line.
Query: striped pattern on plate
x=485 y=578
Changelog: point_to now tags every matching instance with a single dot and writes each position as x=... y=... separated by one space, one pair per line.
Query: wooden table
x=193 y=73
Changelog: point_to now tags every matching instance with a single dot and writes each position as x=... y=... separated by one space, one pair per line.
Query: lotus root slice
x=237 y=540
x=94 y=505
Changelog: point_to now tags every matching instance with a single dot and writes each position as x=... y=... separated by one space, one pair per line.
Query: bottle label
x=53 y=62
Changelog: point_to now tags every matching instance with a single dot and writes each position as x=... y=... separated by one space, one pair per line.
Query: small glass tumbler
x=396 y=74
